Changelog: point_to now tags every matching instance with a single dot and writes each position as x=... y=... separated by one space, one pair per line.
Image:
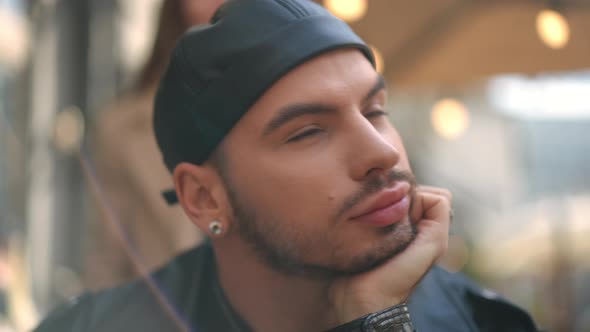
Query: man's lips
x=387 y=207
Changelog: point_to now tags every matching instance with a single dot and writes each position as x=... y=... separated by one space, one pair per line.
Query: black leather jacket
x=195 y=302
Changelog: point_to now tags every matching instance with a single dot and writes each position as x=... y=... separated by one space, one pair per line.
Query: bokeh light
x=347 y=10
x=450 y=118
x=14 y=39
x=553 y=29
x=379 y=63
x=69 y=130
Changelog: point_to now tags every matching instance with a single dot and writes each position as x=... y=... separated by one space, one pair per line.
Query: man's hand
x=392 y=282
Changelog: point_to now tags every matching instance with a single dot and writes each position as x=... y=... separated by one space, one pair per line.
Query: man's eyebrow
x=291 y=112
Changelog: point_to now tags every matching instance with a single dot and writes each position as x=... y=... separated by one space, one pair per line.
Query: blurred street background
x=492 y=98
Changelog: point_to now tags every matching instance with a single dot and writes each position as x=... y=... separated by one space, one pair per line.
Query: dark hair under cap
x=218 y=71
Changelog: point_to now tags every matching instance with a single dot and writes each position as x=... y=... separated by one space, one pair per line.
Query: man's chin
x=395 y=239
x=367 y=253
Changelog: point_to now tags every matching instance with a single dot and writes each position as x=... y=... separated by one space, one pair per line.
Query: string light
x=553 y=29
x=450 y=118
x=347 y=10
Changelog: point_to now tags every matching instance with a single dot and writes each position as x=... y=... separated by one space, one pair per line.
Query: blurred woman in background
x=131 y=171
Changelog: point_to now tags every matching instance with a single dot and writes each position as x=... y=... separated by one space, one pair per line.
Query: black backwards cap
x=217 y=71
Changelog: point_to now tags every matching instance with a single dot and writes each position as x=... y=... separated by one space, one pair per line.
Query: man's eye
x=304 y=134
x=376 y=113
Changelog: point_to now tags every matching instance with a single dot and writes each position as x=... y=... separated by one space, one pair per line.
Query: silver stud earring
x=215 y=227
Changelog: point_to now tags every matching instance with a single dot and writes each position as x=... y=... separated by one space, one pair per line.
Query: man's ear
x=197 y=188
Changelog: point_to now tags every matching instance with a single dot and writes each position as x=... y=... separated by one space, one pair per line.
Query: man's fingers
x=416 y=208
x=430 y=244
x=436 y=190
x=433 y=206
x=393 y=281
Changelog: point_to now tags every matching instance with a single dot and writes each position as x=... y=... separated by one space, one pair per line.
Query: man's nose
x=371 y=151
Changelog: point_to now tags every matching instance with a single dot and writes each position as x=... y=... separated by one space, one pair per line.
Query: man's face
x=310 y=166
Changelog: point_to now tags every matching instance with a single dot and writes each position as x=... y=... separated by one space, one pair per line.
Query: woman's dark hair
x=171 y=25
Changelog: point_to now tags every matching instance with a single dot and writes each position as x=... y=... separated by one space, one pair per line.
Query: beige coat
x=132 y=174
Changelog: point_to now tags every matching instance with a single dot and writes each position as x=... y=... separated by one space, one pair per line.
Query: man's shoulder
x=452 y=300
x=148 y=304
x=91 y=310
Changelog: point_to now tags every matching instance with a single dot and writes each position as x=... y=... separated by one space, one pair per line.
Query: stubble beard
x=282 y=249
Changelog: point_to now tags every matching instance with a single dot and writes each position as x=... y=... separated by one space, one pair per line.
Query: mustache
x=376 y=184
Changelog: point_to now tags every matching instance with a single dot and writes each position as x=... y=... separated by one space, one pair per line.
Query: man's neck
x=269 y=300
